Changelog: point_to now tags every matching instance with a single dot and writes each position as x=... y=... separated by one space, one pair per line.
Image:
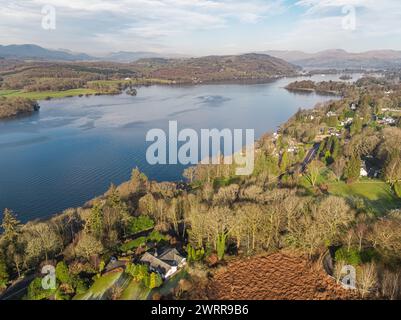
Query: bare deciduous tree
x=366 y=279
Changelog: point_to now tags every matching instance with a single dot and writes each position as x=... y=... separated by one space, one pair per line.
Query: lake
x=74 y=148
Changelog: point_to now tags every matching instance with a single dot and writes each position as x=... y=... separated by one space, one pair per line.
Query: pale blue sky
x=200 y=27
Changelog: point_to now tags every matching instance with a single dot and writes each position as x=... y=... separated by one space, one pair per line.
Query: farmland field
x=46 y=94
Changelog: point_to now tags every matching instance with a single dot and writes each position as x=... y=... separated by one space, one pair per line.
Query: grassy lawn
x=100 y=287
x=7 y=92
x=42 y=95
x=46 y=94
x=109 y=82
x=171 y=283
x=224 y=182
x=135 y=291
x=377 y=195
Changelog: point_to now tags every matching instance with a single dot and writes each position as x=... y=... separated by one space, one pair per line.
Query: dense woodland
x=329 y=87
x=304 y=207
x=247 y=67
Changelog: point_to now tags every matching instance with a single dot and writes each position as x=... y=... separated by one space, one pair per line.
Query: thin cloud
x=134 y=19
x=202 y=26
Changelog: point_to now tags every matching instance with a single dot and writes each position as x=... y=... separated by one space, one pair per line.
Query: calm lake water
x=74 y=148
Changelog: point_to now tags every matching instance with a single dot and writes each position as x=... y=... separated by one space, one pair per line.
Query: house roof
x=163 y=262
x=171 y=256
x=156 y=263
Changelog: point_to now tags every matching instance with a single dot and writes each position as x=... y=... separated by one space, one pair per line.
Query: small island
x=324 y=87
x=346 y=77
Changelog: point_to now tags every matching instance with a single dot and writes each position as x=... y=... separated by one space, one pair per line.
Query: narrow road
x=310 y=156
x=18 y=289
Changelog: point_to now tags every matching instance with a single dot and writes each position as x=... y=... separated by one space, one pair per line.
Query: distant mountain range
x=34 y=52
x=340 y=59
x=127 y=56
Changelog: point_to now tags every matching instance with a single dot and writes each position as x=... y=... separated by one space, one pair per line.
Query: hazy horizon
x=179 y=54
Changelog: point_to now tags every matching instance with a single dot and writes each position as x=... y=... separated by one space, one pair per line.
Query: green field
x=46 y=94
x=134 y=81
x=376 y=194
x=43 y=95
x=7 y=92
x=109 y=82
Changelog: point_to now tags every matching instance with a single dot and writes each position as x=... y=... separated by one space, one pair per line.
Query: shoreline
x=85 y=204
x=87 y=92
x=41 y=96
x=309 y=90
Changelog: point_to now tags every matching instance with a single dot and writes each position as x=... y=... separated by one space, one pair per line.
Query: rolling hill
x=244 y=67
x=341 y=59
x=34 y=52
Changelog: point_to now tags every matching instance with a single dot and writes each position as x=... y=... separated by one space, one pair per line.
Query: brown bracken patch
x=274 y=277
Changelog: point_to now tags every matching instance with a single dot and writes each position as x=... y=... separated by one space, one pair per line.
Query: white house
x=389 y=120
x=364 y=171
x=166 y=264
x=349 y=120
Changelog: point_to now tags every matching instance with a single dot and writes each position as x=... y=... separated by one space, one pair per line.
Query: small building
x=389 y=120
x=166 y=264
x=363 y=171
x=373 y=167
x=349 y=120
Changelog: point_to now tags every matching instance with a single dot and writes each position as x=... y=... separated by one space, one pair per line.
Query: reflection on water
x=74 y=148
